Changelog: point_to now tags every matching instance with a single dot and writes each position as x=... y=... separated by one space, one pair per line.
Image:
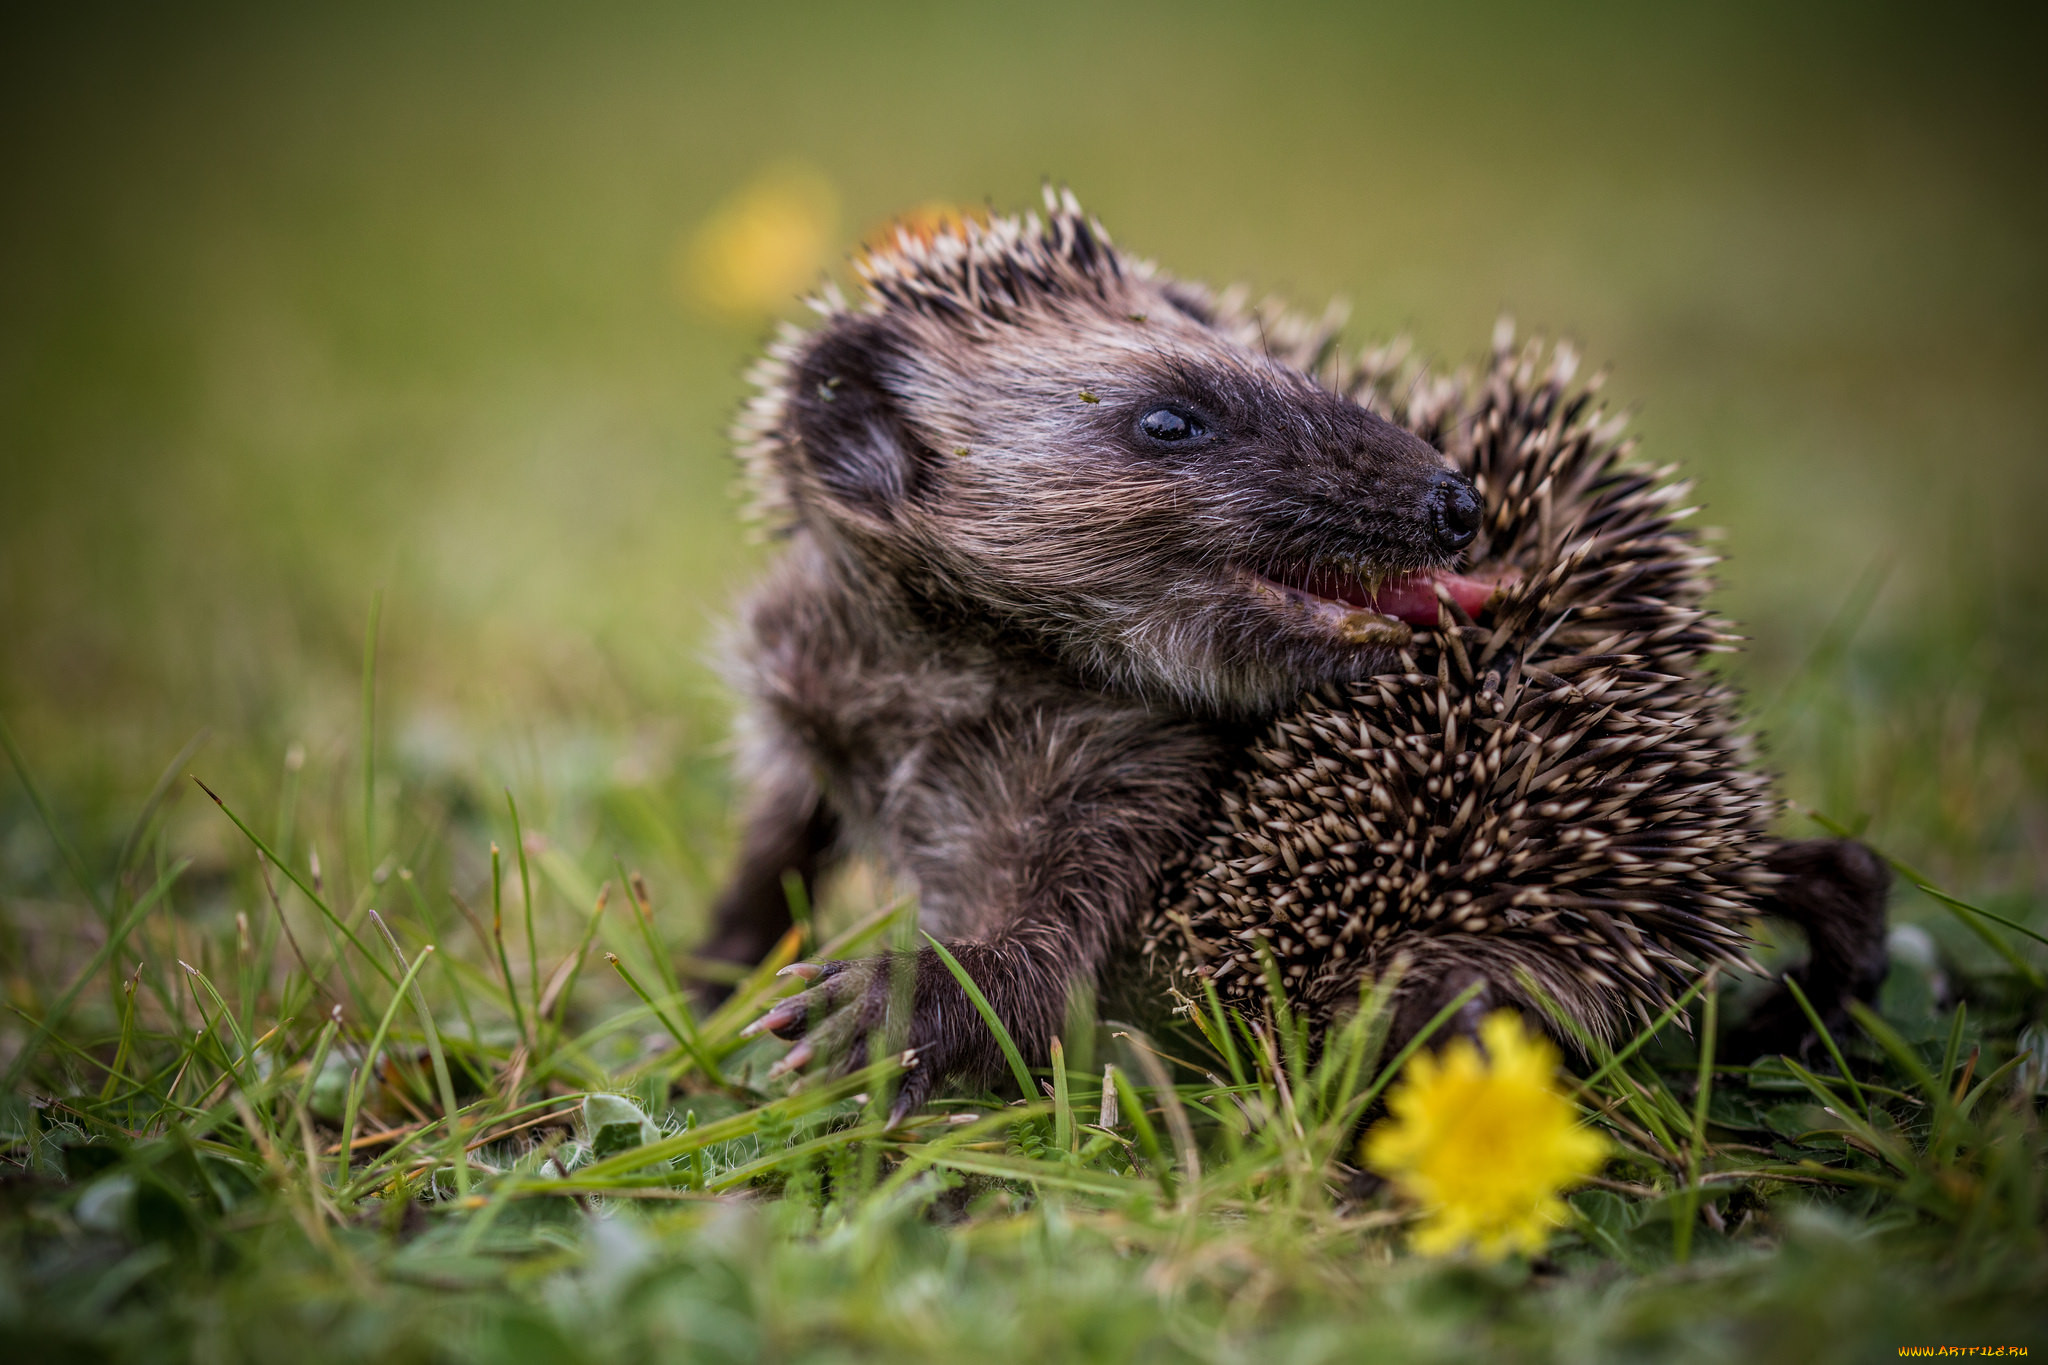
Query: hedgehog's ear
x=848 y=426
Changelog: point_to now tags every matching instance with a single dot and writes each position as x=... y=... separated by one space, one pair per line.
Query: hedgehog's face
x=1161 y=506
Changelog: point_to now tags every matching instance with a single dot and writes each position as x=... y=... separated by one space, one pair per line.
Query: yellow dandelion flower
x=762 y=246
x=1485 y=1144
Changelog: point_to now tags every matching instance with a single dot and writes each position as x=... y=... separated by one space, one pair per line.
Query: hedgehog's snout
x=1454 y=510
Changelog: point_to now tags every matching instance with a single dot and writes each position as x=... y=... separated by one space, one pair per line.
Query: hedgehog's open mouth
x=1377 y=609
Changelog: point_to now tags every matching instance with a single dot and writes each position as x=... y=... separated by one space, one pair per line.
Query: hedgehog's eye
x=1171 y=424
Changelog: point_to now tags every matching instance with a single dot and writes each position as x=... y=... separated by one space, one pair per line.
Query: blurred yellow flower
x=762 y=246
x=1485 y=1144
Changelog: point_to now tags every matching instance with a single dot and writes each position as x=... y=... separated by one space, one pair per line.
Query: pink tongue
x=1412 y=598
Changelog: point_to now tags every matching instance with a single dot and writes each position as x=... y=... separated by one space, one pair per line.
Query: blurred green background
x=298 y=305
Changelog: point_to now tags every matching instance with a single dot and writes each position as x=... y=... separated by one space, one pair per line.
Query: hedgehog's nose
x=1453 y=511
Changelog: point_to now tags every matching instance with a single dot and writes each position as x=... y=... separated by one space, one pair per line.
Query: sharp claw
x=803 y=971
x=911 y=1093
x=791 y=1060
x=780 y=1017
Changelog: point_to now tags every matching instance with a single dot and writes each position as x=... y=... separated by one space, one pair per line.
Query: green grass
x=306 y=320
x=598 y=1172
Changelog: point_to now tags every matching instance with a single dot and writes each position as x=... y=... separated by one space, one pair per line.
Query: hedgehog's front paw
x=905 y=1001
x=846 y=1004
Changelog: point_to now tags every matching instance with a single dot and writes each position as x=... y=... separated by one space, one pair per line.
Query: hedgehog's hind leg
x=1528 y=978
x=1834 y=890
x=1421 y=997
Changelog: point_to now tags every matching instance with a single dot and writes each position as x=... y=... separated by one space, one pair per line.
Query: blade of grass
x=127 y=1042
x=862 y=930
x=1062 y=1102
x=1768 y=1078
x=319 y=1060
x=498 y=942
x=1955 y=1043
x=55 y=1015
x=1005 y=1167
x=1221 y=1039
x=1079 y=1027
x=227 y=1014
x=1828 y=1041
x=1640 y=1101
x=796 y=1154
x=799 y=903
x=453 y=977
x=988 y=1016
x=1280 y=1093
x=526 y=899
x=359 y=1083
x=1288 y=1034
x=1695 y=1151
x=795 y=1105
x=1358 y=1038
x=1363 y=1102
x=370 y=1176
x=1946 y=1119
x=1969 y=1101
x=685 y=1039
x=643 y=919
x=1974 y=915
x=1148 y=1138
x=1653 y=1109
x=483 y=938
x=136 y=1086
x=442 y=1080
x=1560 y=1017
x=1901 y=1052
x=567 y=876
x=577 y=1051
x=920 y=1156
x=1875 y=1141
x=481 y=1221
x=1648 y=1032
x=558 y=1001
x=1177 y=1126
x=376 y=964
x=291 y=938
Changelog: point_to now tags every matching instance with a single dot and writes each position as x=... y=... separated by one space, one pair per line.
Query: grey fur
x=1011 y=647
x=1016 y=650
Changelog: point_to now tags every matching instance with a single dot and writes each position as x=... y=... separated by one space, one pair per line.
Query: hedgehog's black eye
x=1172 y=424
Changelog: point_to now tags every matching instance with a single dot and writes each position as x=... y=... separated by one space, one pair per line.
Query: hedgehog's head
x=1030 y=433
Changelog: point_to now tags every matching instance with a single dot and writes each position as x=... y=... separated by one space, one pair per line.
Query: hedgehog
x=1549 y=801
x=1058 y=536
